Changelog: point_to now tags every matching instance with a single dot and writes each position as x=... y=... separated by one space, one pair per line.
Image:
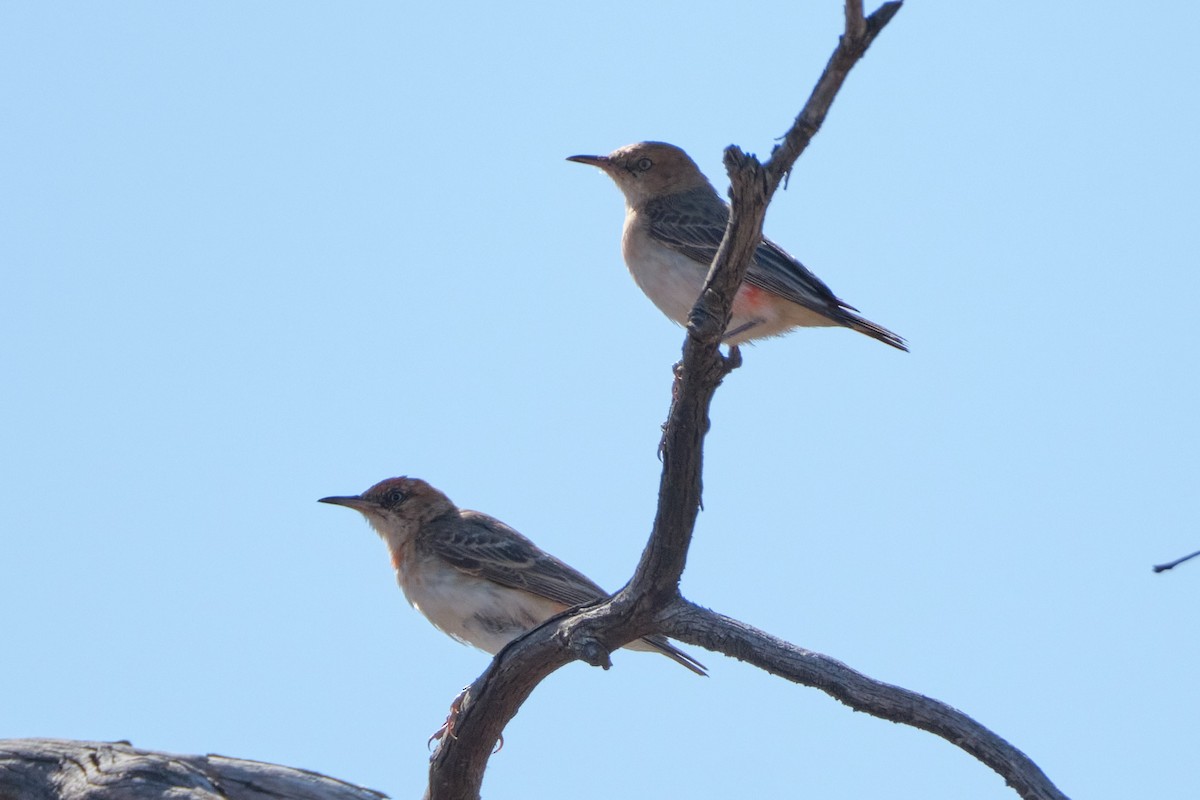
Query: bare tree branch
x=699 y=626
x=456 y=772
x=849 y=50
x=855 y=24
x=1175 y=563
x=656 y=580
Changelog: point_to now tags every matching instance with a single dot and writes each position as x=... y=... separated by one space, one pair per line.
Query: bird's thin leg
x=745 y=326
x=447 y=728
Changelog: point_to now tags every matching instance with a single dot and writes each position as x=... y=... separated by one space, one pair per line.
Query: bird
x=471 y=575
x=674 y=222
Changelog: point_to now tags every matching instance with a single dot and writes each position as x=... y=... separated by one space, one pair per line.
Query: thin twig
x=1175 y=563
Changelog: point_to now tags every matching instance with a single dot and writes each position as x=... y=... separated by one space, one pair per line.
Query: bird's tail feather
x=660 y=644
x=861 y=324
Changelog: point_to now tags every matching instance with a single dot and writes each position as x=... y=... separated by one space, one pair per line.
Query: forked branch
x=651 y=602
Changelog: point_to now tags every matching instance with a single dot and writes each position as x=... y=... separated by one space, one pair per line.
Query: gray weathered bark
x=61 y=769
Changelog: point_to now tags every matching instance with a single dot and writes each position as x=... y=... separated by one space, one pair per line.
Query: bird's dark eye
x=395 y=497
x=644 y=164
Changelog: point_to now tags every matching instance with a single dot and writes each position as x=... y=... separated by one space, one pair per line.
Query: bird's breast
x=669 y=278
x=469 y=608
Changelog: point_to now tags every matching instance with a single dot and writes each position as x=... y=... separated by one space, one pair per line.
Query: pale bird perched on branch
x=674 y=222
x=471 y=575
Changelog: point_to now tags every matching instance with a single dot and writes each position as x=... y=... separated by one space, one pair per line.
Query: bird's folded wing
x=776 y=271
x=693 y=227
x=486 y=547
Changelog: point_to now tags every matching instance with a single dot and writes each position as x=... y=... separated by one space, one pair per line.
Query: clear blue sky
x=258 y=254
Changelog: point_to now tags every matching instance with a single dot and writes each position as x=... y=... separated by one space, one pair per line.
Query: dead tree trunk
x=61 y=769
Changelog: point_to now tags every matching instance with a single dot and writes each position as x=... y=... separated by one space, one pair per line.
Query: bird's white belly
x=473 y=610
x=671 y=280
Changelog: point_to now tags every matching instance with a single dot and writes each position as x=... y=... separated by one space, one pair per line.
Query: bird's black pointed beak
x=354 y=501
x=595 y=161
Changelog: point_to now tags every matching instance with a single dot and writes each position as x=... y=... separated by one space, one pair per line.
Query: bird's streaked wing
x=694 y=223
x=486 y=547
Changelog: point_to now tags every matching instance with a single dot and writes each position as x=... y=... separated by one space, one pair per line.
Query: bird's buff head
x=397 y=507
x=647 y=170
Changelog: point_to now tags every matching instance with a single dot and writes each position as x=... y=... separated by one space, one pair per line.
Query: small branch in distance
x=1175 y=563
